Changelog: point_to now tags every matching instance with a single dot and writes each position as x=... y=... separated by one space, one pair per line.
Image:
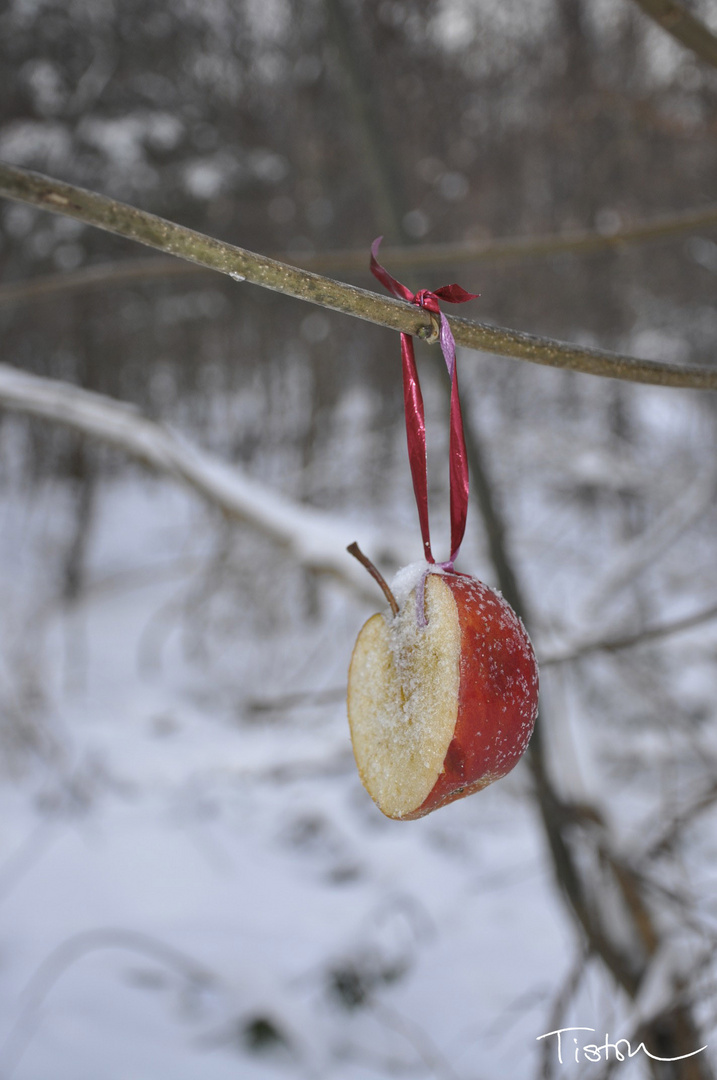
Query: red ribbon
x=415 y=416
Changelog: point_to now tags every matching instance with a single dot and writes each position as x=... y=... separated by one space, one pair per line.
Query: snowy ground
x=193 y=881
x=170 y=812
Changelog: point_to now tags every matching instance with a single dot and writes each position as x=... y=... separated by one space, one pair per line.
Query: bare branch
x=242 y=265
x=545 y=659
x=582 y=242
x=628 y=641
x=577 y=242
x=567 y=991
x=680 y=821
x=418 y=1037
x=603 y=888
x=683 y=26
x=68 y=953
x=317 y=540
x=300 y=699
x=124 y=272
x=642 y=550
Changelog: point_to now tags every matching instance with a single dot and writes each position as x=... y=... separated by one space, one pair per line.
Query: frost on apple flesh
x=439 y=711
x=403 y=700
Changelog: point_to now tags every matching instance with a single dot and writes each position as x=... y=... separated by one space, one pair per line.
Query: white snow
x=187 y=857
x=171 y=817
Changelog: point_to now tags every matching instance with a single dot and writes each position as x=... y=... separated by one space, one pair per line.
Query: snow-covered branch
x=316 y=540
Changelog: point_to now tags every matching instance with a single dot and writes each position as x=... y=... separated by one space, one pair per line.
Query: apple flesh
x=439 y=711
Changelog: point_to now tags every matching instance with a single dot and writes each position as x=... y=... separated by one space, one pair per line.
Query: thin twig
x=559 y=1005
x=681 y=820
x=242 y=265
x=75 y=948
x=418 y=1037
x=123 y=272
x=641 y=551
x=580 y=846
x=26 y=856
x=628 y=641
x=355 y=550
x=503 y=249
x=582 y=242
x=683 y=26
x=300 y=699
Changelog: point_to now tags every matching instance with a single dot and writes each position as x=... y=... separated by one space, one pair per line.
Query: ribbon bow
x=415 y=416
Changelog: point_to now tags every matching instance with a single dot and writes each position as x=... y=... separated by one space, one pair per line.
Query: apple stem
x=355 y=550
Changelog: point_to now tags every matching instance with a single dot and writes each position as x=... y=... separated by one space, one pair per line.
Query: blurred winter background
x=193 y=882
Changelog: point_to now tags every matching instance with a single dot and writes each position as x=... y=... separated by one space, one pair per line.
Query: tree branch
x=628 y=641
x=641 y=551
x=683 y=26
x=75 y=948
x=680 y=821
x=604 y=890
x=429 y=256
x=316 y=540
x=242 y=265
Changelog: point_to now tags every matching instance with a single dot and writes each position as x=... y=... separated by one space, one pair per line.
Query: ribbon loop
x=415 y=415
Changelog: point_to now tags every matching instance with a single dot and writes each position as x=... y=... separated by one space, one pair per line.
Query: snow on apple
x=440 y=710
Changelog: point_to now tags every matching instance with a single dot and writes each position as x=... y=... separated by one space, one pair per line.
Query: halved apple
x=439 y=711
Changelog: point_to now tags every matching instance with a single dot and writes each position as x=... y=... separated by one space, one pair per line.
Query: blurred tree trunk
x=383 y=176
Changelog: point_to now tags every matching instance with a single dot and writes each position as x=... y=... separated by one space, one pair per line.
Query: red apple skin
x=497 y=696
